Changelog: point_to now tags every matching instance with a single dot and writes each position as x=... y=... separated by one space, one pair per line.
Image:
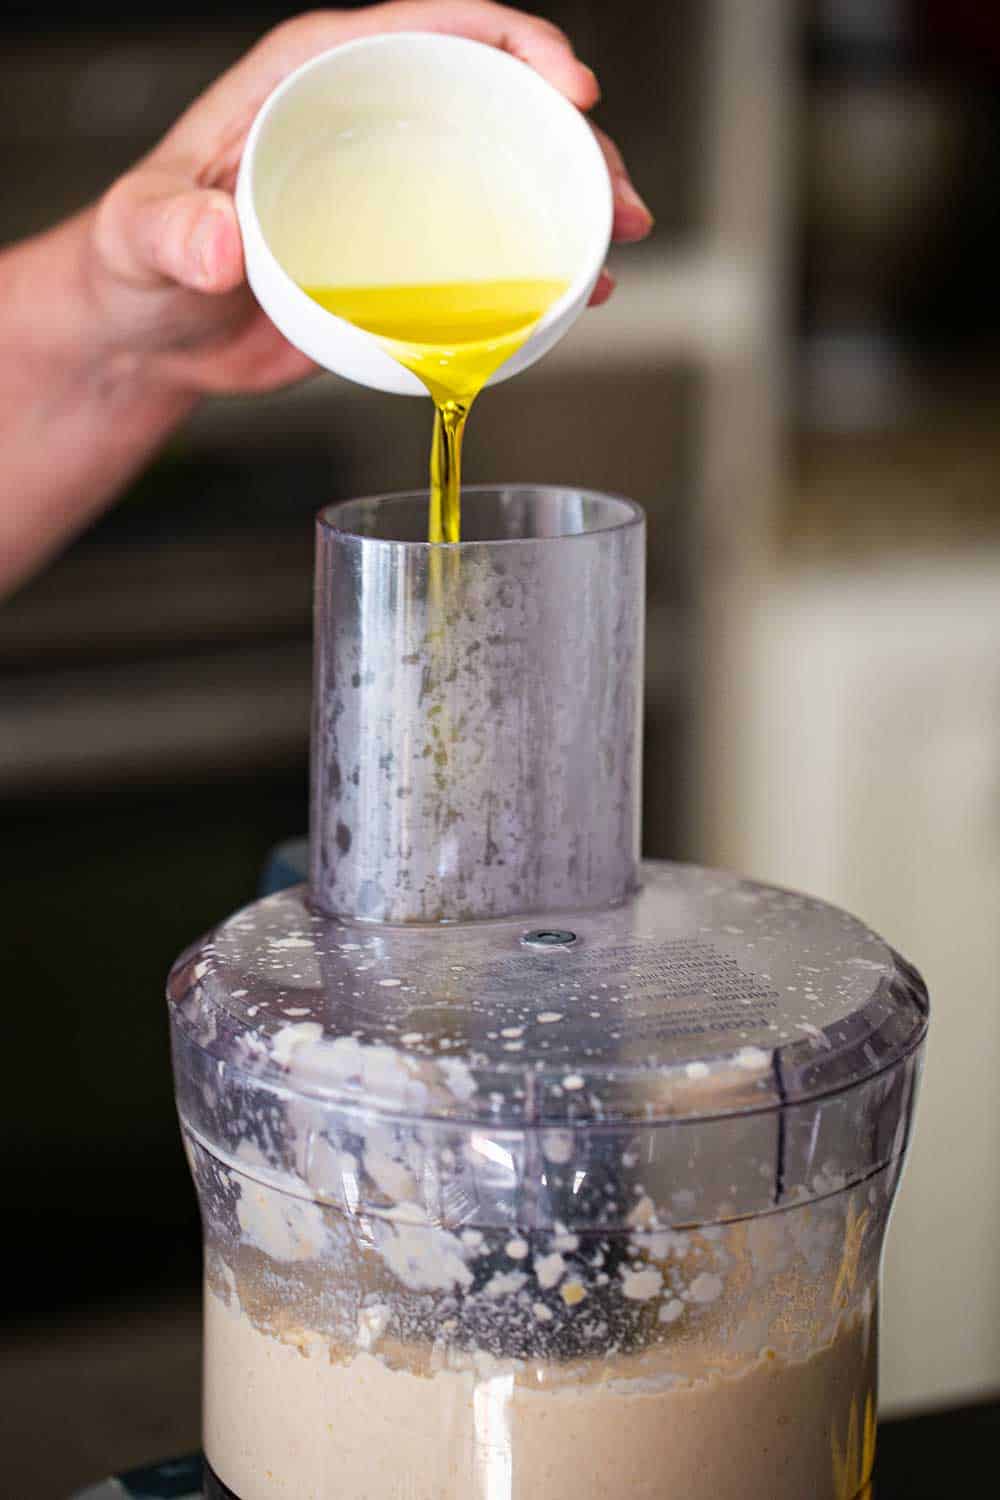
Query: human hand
x=163 y=261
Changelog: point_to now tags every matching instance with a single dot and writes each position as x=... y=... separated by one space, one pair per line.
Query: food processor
x=529 y=1170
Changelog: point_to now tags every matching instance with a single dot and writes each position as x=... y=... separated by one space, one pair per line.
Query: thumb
x=154 y=227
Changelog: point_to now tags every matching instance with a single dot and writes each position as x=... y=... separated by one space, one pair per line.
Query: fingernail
x=606 y=284
x=628 y=196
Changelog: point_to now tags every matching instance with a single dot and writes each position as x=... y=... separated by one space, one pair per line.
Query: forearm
x=79 y=414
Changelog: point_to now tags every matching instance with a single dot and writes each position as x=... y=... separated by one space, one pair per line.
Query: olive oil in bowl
x=443 y=246
x=453 y=336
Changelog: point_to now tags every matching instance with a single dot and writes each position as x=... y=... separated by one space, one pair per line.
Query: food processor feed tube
x=528 y=1171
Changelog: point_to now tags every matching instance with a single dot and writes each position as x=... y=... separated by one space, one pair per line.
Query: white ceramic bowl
x=445 y=84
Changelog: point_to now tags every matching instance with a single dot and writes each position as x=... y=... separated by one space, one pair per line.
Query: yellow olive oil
x=442 y=243
x=453 y=336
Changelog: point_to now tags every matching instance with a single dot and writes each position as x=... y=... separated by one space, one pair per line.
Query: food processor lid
x=705 y=996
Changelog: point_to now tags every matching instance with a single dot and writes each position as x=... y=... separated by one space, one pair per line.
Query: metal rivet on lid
x=548 y=937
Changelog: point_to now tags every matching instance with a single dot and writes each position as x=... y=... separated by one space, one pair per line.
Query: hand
x=163 y=263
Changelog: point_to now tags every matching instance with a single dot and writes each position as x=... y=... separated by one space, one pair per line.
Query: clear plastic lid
x=763 y=1042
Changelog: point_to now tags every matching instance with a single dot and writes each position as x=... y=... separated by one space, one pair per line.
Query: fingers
x=546 y=49
x=602 y=291
x=633 y=220
x=533 y=39
x=153 y=227
x=157 y=225
x=213 y=130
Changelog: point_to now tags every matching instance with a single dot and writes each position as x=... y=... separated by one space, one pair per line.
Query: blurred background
x=799 y=377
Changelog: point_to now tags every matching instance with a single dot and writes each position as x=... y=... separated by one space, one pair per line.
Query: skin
x=118 y=322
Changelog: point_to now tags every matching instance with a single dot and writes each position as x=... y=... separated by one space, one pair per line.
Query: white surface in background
x=873 y=780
